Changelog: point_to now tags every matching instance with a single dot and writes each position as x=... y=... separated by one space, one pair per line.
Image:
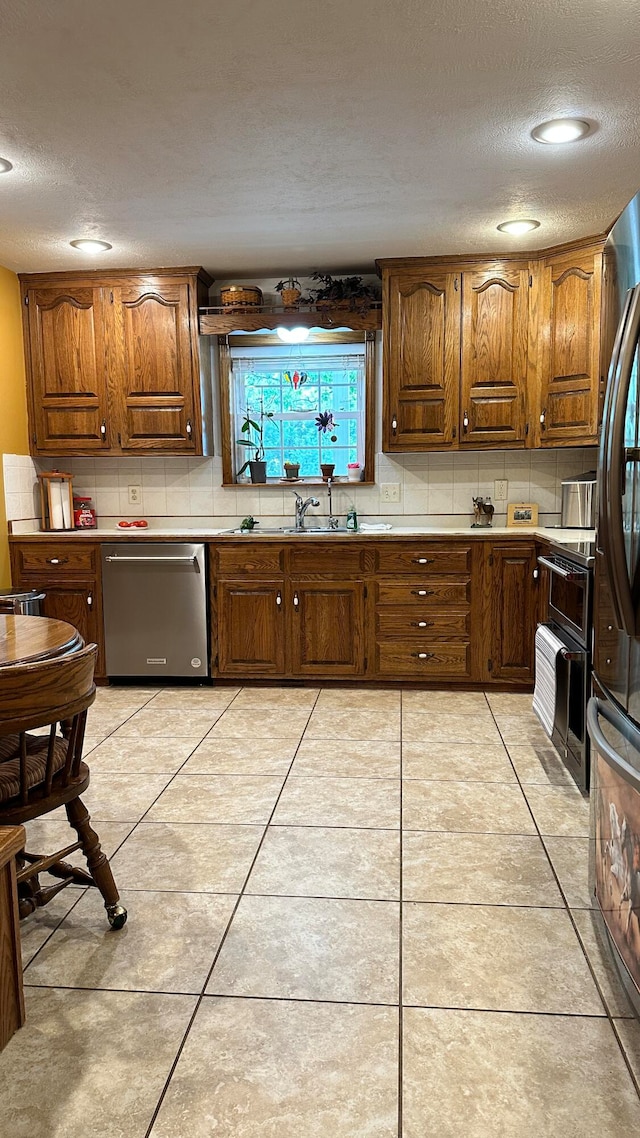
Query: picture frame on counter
x=522 y=514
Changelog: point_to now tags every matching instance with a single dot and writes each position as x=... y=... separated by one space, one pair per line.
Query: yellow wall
x=13 y=398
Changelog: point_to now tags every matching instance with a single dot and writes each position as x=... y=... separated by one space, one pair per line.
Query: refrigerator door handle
x=621 y=593
x=596 y=708
x=605 y=439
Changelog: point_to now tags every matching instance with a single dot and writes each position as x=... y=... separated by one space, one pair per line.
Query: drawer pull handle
x=422 y=624
x=423 y=655
x=422 y=592
x=422 y=560
x=57 y=560
x=465 y=422
x=103 y=430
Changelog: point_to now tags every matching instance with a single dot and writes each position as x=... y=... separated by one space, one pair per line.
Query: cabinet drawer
x=325 y=560
x=261 y=559
x=57 y=559
x=429 y=659
x=421 y=593
x=424 y=558
x=402 y=623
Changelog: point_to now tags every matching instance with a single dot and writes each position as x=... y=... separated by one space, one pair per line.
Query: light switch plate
x=389 y=491
x=500 y=490
x=135 y=496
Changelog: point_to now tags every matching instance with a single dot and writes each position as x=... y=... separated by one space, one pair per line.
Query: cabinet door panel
x=570 y=350
x=68 y=394
x=154 y=366
x=327 y=628
x=251 y=634
x=494 y=356
x=80 y=606
x=514 y=612
x=422 y=366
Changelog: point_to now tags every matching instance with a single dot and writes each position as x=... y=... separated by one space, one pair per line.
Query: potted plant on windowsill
x=257 y=465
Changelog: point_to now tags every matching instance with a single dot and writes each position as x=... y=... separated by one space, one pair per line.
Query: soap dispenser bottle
x=352 y=519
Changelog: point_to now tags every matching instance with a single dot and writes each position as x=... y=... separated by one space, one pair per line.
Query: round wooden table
x=24 y=639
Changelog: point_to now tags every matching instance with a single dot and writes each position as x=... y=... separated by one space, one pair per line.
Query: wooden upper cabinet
x=113 y=361
x=569 y=357
x=154 y=373
x=495 y=319
x=65 y=347
x=422 y=360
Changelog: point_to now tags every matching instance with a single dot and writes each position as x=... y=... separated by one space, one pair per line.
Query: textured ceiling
x=256 y=137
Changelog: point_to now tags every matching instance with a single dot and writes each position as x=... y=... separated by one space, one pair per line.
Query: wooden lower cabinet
x=68 y=573
x=327 y=628
x=251 y=632
x=513 y=611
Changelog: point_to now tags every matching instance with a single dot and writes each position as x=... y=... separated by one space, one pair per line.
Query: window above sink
x=318 y=401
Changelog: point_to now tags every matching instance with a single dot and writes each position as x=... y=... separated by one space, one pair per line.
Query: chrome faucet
x=301 y=509
x=333 y=522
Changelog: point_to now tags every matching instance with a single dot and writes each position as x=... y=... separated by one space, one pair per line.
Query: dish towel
x=374 y=527
x=544 y=696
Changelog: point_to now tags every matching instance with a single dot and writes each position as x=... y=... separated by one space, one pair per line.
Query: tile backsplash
x=436 y=487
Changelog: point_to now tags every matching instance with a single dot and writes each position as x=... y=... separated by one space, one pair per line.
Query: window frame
x=262 y=339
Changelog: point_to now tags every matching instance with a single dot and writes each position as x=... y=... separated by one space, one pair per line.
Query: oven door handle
x=596 y=708
x=568 y=574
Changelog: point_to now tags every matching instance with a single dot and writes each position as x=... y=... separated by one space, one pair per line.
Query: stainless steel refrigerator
x=613 y=715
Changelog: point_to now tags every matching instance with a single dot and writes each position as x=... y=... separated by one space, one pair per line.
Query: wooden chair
x=38 y=773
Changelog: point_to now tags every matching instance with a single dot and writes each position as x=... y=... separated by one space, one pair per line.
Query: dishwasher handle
x=190 y=560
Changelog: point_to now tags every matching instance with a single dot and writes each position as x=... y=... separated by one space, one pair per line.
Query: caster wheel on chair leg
x=117 y=916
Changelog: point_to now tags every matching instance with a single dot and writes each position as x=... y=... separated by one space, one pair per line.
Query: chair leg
x=97 y=861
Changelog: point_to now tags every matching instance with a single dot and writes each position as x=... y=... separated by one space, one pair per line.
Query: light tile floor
x=295 y=963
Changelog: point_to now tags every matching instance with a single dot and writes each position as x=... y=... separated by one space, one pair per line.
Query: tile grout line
x=240 y=895
x=134 y=825
x=634 y=1080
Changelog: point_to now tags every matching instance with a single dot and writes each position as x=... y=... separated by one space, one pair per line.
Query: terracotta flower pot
x=327 y=469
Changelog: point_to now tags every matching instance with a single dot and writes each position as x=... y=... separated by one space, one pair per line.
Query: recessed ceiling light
x=5 y=166
x=561 y=130
x=91 y=245
x=293 y=335
x=522 y=225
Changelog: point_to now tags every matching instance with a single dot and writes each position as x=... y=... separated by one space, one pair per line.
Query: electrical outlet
x=500 y=490
x=390 y=492
x=135 y=496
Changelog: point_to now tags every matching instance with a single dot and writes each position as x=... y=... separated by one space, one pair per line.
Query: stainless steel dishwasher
x=155 y=609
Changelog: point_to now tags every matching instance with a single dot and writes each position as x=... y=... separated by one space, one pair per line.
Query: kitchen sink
x=267 y=531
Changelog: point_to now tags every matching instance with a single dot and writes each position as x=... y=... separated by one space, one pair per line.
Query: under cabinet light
x=293 y=335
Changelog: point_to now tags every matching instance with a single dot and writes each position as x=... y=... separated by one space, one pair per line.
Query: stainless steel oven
x=569 y=599
x=569 y=616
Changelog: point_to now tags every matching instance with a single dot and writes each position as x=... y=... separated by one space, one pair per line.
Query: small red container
x=84 y=515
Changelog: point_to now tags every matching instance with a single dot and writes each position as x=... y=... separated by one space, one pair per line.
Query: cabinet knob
x=421 y=623
x=189 y=428
x=609 y=628
x=465 y=421
x=394 y=424
x=296 y=600
x=278 y=599
x=422 y=560
x=608 y=660
x=536 y=574
x=57 y=560
x=422 y=592
x=543 y=415
x=103 y=429
x=423 y=655
x=89 y=600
